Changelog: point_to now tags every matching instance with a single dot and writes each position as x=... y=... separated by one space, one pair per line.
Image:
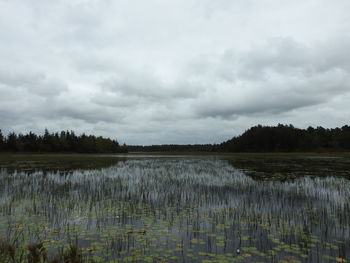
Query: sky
x=173 y=71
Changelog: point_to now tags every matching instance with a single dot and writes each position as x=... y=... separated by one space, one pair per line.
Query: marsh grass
x=185 y=209
x=37 y=253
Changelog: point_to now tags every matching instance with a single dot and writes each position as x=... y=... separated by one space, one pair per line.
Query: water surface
x=180 y=208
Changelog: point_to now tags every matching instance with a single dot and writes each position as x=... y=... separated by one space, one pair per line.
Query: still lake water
x=173 y=208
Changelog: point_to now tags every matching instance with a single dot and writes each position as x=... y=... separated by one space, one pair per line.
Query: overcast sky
x=173 y=71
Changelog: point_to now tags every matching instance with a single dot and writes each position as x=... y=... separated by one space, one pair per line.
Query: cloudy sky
x=173 y=71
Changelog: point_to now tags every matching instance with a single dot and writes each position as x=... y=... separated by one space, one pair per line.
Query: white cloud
x=172 y=71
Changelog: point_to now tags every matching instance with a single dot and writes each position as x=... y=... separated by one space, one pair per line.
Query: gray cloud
x=280 y=76
x=147 y=86
x=88 y=114
x=172 y=72
x=34 y=83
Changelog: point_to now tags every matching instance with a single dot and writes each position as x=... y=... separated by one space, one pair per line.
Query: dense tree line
x=65 y=141
x=286 y=138
x=281 y=138
x=173 y=148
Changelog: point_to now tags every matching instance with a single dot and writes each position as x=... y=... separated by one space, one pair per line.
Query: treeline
x=173 y=148
x=65 y=141
x=280 y=138
x=286 y=138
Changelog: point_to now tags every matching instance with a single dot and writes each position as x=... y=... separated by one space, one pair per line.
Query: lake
x=178 y=208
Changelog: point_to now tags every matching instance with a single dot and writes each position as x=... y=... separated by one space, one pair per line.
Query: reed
x=167 y=209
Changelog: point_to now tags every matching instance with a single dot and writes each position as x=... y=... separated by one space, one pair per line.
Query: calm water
x=181 y=208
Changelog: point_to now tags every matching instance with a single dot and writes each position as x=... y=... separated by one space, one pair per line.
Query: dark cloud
x=147 y=86
x=173 y=72
x=34 y=83
x=89 y=114
x=278 y=77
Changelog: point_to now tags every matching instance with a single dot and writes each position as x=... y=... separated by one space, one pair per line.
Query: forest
x=287 y=138
x=280 y=138
x=65 y=141
x=174 y=148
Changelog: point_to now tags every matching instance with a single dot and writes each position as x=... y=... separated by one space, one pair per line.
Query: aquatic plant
x=198 y=209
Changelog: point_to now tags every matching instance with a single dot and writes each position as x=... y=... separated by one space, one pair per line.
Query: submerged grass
x=37 y=253
x=184 y=209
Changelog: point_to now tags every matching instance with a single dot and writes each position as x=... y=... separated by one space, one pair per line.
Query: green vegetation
x=286 y=138
x=37 y=253
x=192 y=148
x=55 y=162
x=281 y=138
x=220 y=208
x=64 y=141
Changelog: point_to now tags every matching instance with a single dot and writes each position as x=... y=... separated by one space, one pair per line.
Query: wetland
x=176 y=208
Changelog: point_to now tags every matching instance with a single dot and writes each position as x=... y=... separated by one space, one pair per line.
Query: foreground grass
x=188 y=209
x=37 y=253
x=54 y=162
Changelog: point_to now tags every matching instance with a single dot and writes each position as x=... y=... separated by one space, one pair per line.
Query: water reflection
x=181 y=209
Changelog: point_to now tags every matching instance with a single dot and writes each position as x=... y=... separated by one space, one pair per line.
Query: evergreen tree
x=1 y=142
x=11 y=142
x=59 y=142
x=286 y=138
